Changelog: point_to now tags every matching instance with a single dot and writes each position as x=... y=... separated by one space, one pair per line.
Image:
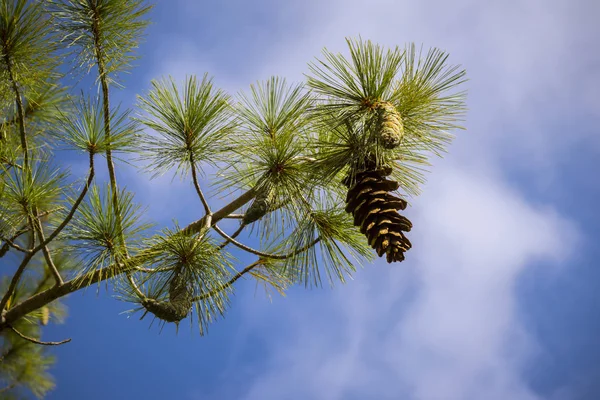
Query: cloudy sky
x=496 y=300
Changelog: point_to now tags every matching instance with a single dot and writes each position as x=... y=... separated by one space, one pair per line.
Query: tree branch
x=40 y=299
x=6 y=245
x=235 y=216
x=20 y=114
x=152 y=270
x=33 y=340
x=230 y=282
x=73 y=208
x=107 y=132
x=198 y=225
x=197 y=185
x=233 y=236
x=15 y=280
x=9 y=387
x=10 y=243
x=263 y=254
x=9 y=163
x=29 y=255
x=47 y=256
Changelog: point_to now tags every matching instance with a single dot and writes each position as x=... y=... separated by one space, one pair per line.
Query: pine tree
x=317 y=171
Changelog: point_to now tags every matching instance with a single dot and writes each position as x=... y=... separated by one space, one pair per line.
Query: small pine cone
x=375 y=212
x=389 y=125
x=165 y=310
x=179 y=305
x=179 y=290
x=45 y=318
x=262 y=204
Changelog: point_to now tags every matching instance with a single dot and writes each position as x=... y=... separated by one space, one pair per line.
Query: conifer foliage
x=315 y=174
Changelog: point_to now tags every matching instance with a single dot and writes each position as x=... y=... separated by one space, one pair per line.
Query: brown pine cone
x=375 y=212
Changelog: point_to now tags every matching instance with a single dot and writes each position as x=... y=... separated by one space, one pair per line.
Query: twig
x=47 y=256
x=263 y=254
x=233 y=236
x=69 y=216
x=9 y=387
x=29 y=255
x=152 y=270
x=5 y=246
x=33 y=340
x=9 y=163
x=235 y=216
x=15 y=280
x=102 y=75
x=10 y=243
x=230 y=282
x=20 y=114
x=197 y=185
x=40 y=299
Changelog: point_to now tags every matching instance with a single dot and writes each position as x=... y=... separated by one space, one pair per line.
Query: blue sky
x=497 y=299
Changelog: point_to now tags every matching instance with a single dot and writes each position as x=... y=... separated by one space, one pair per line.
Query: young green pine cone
x=375 y=212
x=179 y=305
x=389 y=125
x=45 y=318
x=262 y=204
x=166 y=310
x=179 y=291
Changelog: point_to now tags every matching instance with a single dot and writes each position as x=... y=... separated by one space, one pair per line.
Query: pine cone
x=179 y=305
x=179 y=291
x=262 y=204
x=166 y=310
x=45 y=318
x=375 y=212
x=389 y=125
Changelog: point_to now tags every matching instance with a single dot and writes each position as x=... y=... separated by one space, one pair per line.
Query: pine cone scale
x=375 y=212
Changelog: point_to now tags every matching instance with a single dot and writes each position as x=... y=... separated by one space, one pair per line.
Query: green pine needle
x=26 y=43
x=269 y=148
x=84 y=128
x=420 y=88
x=107 y=30
x=192 y=126
x=40 y=190
x=93 y=236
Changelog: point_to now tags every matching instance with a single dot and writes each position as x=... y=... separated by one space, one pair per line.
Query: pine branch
x=15 y=280
x=235 y=216
x=197 y=187
x=260 y=253
x=23 y=230
x=40 y=299
x=107 y=132
x=9 y=243
x=29 y=255
x=46 y=252
x=233 y=235
x=9 y=387
x=10 y=163
x=154 y=270
x=33 y=340
x=20 y=113
x=230 y=282
x=75 y=205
